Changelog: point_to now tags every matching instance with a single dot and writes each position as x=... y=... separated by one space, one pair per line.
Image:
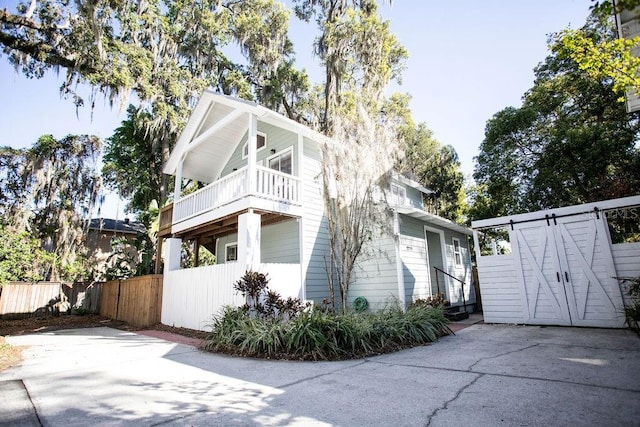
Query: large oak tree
x=570 y=142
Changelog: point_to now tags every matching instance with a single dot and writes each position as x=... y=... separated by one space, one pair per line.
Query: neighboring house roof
x=116 y=225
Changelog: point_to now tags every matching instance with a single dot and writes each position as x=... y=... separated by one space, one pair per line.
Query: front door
x=435 y=259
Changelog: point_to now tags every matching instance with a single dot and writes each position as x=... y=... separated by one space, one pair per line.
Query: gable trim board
x=562 y=269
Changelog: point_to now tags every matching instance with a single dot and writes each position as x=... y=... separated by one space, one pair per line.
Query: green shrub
x=632 y=310
x=315 y=334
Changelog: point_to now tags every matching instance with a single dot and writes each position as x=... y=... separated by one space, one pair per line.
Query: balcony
x=274 y=192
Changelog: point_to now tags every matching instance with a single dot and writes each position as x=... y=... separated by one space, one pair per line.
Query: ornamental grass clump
x=313 y=333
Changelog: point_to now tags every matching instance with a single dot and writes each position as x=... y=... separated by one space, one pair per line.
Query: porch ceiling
x=227 y=117
x=228 y=225
x=205 y=161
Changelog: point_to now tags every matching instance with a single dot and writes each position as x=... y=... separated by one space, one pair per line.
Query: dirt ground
x=10 y=356
x=52 y=323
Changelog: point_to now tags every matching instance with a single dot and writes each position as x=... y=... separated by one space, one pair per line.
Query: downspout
x=400 y=274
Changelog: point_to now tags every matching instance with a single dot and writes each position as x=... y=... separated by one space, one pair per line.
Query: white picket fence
x=192 y=297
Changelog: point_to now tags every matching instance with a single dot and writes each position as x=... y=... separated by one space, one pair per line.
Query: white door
x=588 y=272
x=537 y=264
x=566 y=272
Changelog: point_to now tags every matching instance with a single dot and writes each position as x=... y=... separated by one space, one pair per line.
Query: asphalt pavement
x=485 y=375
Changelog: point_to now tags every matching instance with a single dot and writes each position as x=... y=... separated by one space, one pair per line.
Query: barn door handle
x=566 y=276
x=558 y=276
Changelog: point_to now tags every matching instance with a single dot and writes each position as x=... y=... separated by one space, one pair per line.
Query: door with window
x=280 y=183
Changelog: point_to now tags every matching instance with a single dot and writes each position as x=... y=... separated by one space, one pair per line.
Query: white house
x=262 y=208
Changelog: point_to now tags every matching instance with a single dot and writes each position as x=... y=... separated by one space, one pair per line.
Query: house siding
x=279 y=243
x=315 y=235
x=376 y=275
x=277 y=139
x=220 y=247
x=413 y=252
x=415 y=261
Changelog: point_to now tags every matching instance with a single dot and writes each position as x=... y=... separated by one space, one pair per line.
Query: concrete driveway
x=485 y=375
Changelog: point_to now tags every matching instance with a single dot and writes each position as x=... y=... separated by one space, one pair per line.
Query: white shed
x=557 y=267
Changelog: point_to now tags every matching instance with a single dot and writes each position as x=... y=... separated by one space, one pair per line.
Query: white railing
x=270 y=184
x=277 y=185
x=192 y=296
x=224 y=190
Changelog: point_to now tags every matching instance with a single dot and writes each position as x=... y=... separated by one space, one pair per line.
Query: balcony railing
x=270 y=184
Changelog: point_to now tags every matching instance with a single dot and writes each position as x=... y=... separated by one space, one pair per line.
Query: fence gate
x=560 y=271
x=566 y=271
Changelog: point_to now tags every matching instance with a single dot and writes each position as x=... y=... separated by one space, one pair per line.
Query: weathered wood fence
x=22 y=299
x=137 y=301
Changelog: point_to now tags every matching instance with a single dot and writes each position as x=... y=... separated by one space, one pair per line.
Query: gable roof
x=116 y=225
x=221 y=121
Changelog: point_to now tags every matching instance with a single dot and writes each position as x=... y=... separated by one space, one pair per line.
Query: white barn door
x=588 y=272
x=566 y=272
x=537 y=267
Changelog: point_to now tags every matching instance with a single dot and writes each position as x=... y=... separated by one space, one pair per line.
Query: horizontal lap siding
x=279 y=243
x=626 y=257
x=315 y=236
x=501 y=299
x=413 y=252
x=376 y=276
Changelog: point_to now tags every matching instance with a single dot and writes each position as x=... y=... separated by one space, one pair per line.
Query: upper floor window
x=398 y=194
x=457 y=253
x=261 y=142
x=282 y=162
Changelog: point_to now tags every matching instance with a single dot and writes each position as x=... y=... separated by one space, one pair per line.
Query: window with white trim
x=231 y=252
x=398 y=195
x=282 y=162
x=261 y=143
x=457 y=252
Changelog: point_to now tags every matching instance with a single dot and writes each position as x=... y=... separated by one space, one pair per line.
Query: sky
x=468 y=59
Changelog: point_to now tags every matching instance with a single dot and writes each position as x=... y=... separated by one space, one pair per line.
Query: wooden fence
x=20 y=299
x=25 y=299
x=137 y=301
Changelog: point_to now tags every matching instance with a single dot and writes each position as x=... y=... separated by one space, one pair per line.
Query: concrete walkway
x=485 y=375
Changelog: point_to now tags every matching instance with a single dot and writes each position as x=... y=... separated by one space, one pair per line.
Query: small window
x=282 y=162
x=261 y=142
x=457 y=253
x=398 y=195
x=231 y=252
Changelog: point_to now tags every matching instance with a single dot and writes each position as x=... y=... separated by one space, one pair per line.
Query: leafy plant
x=632 y=310
x=315 y=334
x=263 y=302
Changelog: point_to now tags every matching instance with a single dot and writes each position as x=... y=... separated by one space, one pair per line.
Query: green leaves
x=571 y=142
x=49 y=190
x=318 y=335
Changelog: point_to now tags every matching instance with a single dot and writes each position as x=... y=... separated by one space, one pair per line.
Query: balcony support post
x=249 y=241
x=172 y=255
x=252 y=171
